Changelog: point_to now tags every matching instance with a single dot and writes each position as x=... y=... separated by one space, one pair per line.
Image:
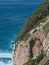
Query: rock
x=32 y=47
x=46 y=45
x=21 y=53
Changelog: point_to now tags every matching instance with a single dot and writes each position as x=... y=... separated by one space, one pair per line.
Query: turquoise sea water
x=13 y=14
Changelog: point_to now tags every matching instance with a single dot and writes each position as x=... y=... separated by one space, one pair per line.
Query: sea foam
x=3 y=63
x=5 y=55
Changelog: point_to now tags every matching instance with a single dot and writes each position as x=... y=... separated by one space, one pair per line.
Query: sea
x=13 y=14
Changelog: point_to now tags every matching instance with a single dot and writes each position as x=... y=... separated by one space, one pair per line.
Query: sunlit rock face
x=35 y=47
x=21 y=53
x=25 y=50
x=46 y=44
x=31 y=47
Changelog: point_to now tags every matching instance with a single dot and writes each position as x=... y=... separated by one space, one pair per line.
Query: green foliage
x=37 y=60
x=26 y=36
x=42 y=20
x=48 y=14
x=40 y=13
x=46 y=28
x=40 y=57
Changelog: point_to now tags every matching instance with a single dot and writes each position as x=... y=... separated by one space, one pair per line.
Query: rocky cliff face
x=26 y=50
x=21 y=54
x=38 y=37
x=31 y=47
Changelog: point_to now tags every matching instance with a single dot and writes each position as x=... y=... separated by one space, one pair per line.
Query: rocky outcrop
x=21 y=54
x=27 y=49
x=31 y=48
x=46 y=44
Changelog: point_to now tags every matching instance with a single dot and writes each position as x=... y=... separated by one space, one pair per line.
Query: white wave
x=3 y=63
x=11 y=44
x=12 y=41
x=5 y=55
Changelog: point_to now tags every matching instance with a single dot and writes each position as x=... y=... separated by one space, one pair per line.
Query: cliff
x=33 y=40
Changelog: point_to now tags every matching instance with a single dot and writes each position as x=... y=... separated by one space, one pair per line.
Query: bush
x=46 y=28
x=37 y=60
x=26 y=36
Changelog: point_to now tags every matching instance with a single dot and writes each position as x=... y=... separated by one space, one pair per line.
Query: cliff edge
x=33 y=40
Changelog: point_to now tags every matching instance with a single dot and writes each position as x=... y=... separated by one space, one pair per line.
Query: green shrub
x=46 y=28
x=37 y=60
x=26 y=36
x=42 y=20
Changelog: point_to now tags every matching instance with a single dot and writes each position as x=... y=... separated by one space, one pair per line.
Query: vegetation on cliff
x=37 y=60
x=46 y=28
x=41 y=12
